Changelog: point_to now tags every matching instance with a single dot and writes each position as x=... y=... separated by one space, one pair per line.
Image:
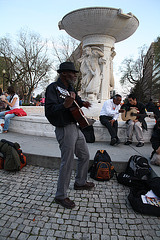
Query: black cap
x=66 y=66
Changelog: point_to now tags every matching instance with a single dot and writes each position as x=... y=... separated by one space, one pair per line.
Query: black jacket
x=155 y=138
x=140 y=106
x=55 y=111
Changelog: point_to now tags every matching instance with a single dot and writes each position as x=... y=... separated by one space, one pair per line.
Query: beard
x=70 y=82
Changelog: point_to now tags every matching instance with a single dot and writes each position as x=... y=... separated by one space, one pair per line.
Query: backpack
x=14 y=159
x=102 y=168
x=138 y=167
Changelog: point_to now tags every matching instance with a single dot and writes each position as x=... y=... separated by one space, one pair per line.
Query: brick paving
x=28 y=210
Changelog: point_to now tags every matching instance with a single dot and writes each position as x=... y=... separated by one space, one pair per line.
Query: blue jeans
x=7 y=118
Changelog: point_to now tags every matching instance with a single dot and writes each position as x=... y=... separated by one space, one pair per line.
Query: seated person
x=155 y=141
x=109 y=115
x=3 y=105
x=13 y=104
x=138 y=124
x=8 y=98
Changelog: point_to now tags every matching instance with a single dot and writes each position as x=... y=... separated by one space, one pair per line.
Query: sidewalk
x=28 y=211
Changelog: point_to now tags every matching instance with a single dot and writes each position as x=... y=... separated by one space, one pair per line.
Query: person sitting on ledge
x=3 y=105
x=109 y=115
x=138 y=124
x=13 y=104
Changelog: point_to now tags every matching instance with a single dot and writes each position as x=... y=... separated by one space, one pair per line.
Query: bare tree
x=132 y=73
x=156 y=70
x=28 y=64
x=67 y=49
x=8 y=60
x=132 y=70
x=63 y=49
x=33 y=61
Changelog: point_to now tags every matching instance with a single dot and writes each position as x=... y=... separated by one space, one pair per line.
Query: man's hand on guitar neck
x=69 y=100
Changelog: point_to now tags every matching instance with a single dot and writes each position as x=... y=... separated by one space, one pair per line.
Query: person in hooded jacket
x=155 y=141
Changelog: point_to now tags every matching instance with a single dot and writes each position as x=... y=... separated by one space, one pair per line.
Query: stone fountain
x=98 y=28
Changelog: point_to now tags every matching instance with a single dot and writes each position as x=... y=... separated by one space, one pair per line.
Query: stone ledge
x=39 y=126
x=54 y=162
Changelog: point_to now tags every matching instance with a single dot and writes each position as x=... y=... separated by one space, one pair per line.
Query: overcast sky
x=42 y=16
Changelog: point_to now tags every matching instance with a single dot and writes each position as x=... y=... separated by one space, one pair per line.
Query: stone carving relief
x=92 y=62
x=113 y=53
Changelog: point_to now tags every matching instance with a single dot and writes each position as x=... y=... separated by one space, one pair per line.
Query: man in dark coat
x=60 y=98
x=151 y=107
x=155 y=141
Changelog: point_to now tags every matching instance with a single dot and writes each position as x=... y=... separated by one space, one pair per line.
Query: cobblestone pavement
x=28 y=211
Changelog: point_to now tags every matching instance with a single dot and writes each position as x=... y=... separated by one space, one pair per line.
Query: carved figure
x=113 y=53
x=91 y=69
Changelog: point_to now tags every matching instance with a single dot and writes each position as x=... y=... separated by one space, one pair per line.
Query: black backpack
x=102 y=168
x=138 y=167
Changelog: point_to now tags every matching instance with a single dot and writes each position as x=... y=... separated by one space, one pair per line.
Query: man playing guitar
x=138 y=124
x=71 y=140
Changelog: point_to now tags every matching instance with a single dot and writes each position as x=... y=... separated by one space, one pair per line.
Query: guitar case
x=88 y=133
x=137 y=204
x=136 y=201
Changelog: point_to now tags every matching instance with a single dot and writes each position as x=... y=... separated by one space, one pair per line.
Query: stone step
x=44 y=151
x=37 y=125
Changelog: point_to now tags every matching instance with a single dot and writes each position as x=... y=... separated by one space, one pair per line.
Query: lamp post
x=3 y=72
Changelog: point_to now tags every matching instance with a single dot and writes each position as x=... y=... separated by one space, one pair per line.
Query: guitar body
x=78 y=115
x=76 y=111
x=127 y=115
x=133 y=113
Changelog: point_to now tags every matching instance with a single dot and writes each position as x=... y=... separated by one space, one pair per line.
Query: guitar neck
x=62 y=96
x=143 y=115
x=138 y=114
x=76 y=104
x=78 y=115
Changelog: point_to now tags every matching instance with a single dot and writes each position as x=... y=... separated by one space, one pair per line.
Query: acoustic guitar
x=132 y=114
x=76 y=111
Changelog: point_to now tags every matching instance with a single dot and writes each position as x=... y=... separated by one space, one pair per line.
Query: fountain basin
x=99 y=21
